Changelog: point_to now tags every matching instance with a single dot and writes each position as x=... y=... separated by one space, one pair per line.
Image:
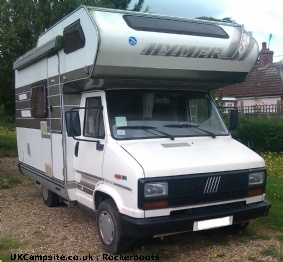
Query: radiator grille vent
x=196 y=189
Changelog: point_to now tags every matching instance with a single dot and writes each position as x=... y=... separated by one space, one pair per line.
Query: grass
x=270 y=252
x=9 y=181
x=8 y=246
x=274 y=190
x=8 y=142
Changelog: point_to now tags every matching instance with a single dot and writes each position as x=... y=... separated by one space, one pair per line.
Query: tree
x=21 y=22
x=210 y=18
x=15 y=29
x=225 y=19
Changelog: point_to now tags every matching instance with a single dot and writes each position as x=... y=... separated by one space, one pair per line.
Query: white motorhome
x=113 y=111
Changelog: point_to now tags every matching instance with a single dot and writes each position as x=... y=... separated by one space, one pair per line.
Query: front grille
x=206 y=188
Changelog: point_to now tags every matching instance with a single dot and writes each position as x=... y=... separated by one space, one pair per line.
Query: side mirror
x=234 y=119
x=73 y=124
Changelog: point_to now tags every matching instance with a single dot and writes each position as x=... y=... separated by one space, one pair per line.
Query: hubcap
x=106 y=227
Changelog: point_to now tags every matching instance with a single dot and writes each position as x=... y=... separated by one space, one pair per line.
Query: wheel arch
x=104 y=192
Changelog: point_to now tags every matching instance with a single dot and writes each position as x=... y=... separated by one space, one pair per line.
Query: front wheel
x=50 y=198
x=110 y=231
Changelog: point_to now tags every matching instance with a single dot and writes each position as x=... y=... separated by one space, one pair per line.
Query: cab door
x=89 y=148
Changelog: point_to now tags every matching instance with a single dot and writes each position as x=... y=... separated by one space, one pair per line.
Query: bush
x=8 y=143
x=261 y=134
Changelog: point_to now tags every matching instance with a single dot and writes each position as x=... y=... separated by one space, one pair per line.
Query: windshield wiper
x=147 y=128
x=186 y=125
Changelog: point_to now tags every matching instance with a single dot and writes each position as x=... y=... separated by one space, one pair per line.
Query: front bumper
x=148 y=227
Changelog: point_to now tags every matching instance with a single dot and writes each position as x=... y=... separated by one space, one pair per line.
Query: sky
x=261 y=17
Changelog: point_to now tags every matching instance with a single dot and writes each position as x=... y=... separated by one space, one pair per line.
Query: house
x=263 y=86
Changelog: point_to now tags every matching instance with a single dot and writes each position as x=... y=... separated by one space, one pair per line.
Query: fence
x=275 y=110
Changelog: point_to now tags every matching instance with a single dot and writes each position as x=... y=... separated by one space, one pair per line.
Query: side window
x=74 y=37
x=94 y=125
x=203 y=110
x=199 y=109
x=39 y=100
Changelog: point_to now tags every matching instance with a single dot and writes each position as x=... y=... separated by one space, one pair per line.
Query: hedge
x=260 y=134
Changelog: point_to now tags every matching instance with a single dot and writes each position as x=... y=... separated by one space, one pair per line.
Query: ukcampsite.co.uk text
x=103 y=257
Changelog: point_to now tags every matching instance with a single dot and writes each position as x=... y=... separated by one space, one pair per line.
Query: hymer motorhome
x=113 y=111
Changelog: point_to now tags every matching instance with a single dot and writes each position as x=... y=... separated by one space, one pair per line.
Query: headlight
x=155 y=189
x=256 y=178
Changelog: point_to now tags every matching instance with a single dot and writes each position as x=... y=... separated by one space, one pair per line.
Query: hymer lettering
x=157 y=49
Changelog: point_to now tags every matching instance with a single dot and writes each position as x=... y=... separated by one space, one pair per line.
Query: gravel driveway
x=29 y=227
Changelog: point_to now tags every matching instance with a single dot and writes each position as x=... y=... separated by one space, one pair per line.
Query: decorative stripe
x=55 y=112
x=56 y=125
x=53 y=81
x=25 y=104
x=102 y=179
x=23 y=89
x=85 y=189
x=39 y=173
x=54 y=100
x=115 y=184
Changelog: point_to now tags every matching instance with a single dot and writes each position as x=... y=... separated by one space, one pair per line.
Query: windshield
x=136 y=114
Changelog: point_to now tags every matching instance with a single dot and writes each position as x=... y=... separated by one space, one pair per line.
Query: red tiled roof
x=266 y=81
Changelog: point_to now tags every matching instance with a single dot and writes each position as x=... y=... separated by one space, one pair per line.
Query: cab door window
x=94 y=125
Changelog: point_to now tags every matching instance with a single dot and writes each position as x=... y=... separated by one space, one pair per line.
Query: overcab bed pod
x=145 y=46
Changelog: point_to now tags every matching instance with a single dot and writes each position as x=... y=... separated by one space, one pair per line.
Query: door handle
x=77 y=149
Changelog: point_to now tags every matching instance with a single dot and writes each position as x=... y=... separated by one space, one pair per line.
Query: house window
x=39 y=100
x=94 y=125
x=229 y=104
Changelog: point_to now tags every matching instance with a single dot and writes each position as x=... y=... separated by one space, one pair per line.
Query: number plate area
x=213 y=223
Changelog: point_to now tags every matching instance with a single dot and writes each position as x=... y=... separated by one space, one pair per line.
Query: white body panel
x=30 y=144
x=31 y=74
x=57 y=156
x=118 y=161
x=198 y=155
x=82 y=57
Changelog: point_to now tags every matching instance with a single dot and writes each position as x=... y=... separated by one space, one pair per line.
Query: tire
x=110 y=231
x=50 y=198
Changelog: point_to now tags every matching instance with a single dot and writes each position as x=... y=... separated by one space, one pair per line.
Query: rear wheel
x=50 y=198
x=110 y=231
